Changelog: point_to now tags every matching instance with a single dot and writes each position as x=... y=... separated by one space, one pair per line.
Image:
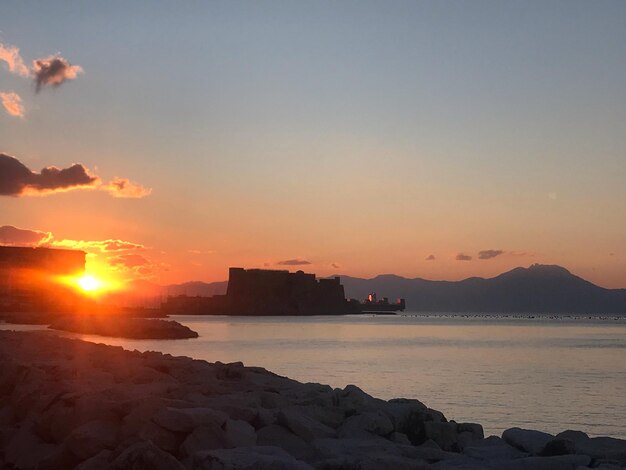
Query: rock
x=561 y=462
x=264 y=418
x=360 y=425
x=145 y=455
x=493 y=449
x=352 y=398
x=239 y=434
x=99 y=461
x=203 y=438
x=26 y=450
x=278 y=436
x=365 y=453
x=187 y=419
x=527 y=440
x=303 y=426
x=444 y=434
x=399 y=438
x=248 y=458
x=558 y=446
x=92 y=438
x=604 y=449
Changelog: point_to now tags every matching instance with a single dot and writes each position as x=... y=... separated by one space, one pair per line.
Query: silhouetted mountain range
x=537 y=289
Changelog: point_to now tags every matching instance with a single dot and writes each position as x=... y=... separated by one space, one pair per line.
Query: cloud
x=16 y=179
x=430 y=258
x=53 y=71
x=129 y=261
x=462 y=257
x=12 y=103
x=11 y=56
x=201 y=252
x=13 y=236
x=488 y=254
x=97 y=245
x=124 y=188
x=293 y=262
x=335 y=265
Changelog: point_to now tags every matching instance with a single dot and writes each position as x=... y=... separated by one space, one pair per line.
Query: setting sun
x=89 y=283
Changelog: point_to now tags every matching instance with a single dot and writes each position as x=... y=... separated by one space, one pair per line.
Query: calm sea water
x=547 y=373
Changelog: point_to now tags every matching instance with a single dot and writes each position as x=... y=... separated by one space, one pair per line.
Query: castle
x=269 y=292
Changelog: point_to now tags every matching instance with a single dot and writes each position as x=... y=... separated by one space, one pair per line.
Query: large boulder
x=303 y=426
x=247 y=458
x=203 y=438
x=187 y=419
x=239 y=434
x=527 y=440
x=368 y=423
x=278 y=436
x=92 y=438
x=145 y=455
x=493 y=449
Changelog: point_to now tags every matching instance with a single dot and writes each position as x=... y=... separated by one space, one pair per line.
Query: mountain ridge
x=535 y=289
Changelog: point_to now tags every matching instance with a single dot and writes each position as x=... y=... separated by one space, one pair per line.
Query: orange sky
x=361 y=141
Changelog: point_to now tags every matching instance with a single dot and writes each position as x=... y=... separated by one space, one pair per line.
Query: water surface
x=547 y=373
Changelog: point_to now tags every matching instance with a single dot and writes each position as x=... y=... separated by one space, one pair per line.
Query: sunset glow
x=89 y=283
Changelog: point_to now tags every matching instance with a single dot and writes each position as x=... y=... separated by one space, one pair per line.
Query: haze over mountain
x=536 y=289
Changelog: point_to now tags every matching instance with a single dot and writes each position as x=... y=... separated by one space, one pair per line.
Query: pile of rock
x=72 y=404
x=123 y=327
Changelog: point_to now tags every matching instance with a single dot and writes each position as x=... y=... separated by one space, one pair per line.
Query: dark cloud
x=335 y=265
x=16 y=179
x=430 y=258
x=294 y=262
x=462 y=257
x=488 y=254
x=14 y=236
x=53 y=71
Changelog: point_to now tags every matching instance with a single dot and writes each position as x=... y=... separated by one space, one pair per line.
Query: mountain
x=149 y=294
x=537 y=289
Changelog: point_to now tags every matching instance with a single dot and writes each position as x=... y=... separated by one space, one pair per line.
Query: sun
x=89 y=283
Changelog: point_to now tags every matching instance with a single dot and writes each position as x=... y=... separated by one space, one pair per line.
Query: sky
x=434 y=139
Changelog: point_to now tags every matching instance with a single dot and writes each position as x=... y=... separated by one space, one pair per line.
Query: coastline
x=73 y=404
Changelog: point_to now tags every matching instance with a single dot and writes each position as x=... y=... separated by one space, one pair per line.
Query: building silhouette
x=30 y=278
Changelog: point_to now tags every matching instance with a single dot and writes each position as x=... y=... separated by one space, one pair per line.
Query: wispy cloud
x=489 y=254
x=97 y=245
x=335 y=265
x=293 y=262
x=12 y=103
x=53 y=71
x=463 y=257
x=430 y=258
x=13 y=236
x=11 y=56
x=124 y=188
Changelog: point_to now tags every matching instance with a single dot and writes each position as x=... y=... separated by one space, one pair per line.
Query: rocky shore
x=123 y=327
x=66 y=403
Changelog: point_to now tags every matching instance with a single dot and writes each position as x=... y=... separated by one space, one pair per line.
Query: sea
x=545 y=372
